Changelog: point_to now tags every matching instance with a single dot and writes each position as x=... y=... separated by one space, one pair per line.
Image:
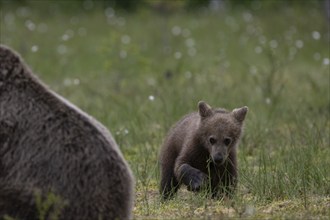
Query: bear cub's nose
x=218 y=159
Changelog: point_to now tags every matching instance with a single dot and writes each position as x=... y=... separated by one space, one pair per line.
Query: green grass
x=139 y=73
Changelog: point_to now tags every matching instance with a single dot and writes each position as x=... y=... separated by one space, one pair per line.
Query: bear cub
x=200 y=151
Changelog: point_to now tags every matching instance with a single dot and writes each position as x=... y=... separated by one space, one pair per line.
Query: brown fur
x=50 y=147
x=200 y=150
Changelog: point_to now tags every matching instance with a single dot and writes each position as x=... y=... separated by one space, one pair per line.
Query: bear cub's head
x=220 y=130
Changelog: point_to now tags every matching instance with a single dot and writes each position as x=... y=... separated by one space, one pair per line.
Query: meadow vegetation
x=138 y=73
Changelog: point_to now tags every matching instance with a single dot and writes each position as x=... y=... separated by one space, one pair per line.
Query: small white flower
x=253 y=70
x=273 y=44
x=65 y=37
x=30 y=25
x=62 y=49
x=177 y=55
x=34 y=48
x=76 y=81
x=247 y=17
x=123 y=54
x=299 y=44
x=258 y=49
x=190 y=42
x=67 y=82
x=109 y=12
x=316 y=35
x=188 y=74
x=176 y=30
x=125 y=39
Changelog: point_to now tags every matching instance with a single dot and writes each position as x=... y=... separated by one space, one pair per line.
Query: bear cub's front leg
x=193 y=178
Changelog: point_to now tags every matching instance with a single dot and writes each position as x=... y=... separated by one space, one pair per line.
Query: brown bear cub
x=50 y=148
x=200 y=151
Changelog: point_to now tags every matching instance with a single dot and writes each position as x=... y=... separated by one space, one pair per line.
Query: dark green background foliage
x=131 y=5
x=140 y=66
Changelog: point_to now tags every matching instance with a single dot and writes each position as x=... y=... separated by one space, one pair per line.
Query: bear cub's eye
x=227 y=141
x=212 y=140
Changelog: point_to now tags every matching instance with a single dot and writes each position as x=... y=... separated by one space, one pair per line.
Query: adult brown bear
x=50 y=147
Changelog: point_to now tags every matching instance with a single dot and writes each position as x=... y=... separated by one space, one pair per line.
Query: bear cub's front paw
x=197 y=180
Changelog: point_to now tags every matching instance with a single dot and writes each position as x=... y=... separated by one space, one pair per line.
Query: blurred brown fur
x=48 y=145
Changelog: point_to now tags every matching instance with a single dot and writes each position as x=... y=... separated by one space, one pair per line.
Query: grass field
x=139 y=73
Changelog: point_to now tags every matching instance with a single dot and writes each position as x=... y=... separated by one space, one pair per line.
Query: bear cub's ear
x=240 y=113
x=204 y=109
